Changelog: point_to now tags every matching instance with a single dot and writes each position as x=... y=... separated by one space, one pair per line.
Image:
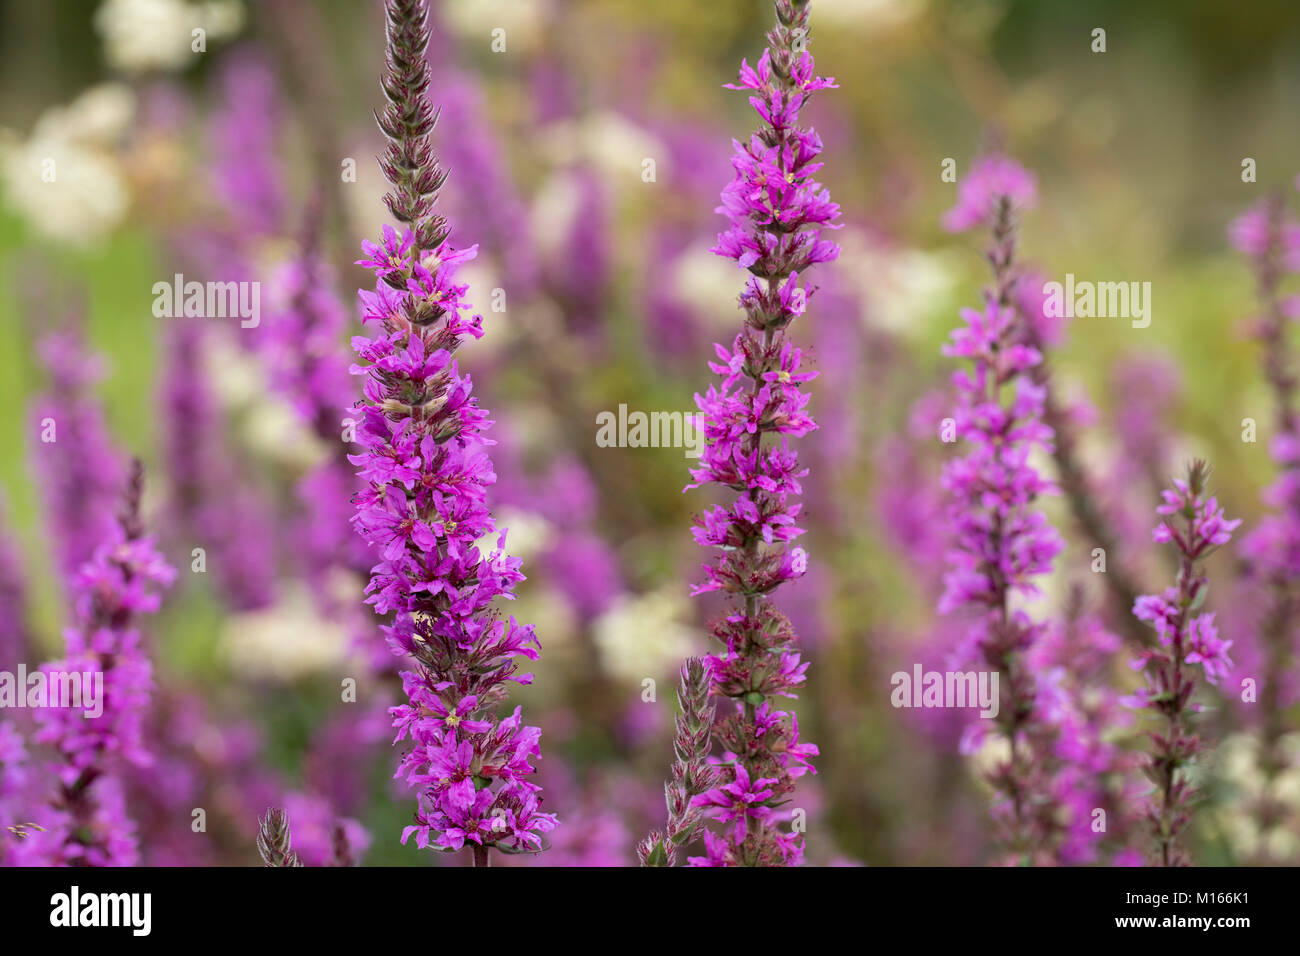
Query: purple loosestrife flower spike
x=691 y=774
x=274 y=842
x=1271 y=550
x=243 y=134
x=777 y=214
x=1039 y=329
x=1195 y=525
x=307 y=368
x=995 y=189
x=1092 y=770
x=407 y=121
x=1001 y=541
x=424 y=508
x=89 y=825
x=211 y=501
x=78 y=471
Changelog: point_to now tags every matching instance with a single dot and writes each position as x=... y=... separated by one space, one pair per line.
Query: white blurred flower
x=868 y=15
x=236 y=379
x=1238 y=763
x=528 y=533
x=476 y=19
x=645 y=636
x=99 y=117
x=709 y=285
x=287 y=641
x=266 y=421
x=553 y=211
x=900 y=286
x=142 y=35
x=483 y=281
x=551 y=611
x=993 y=752
x=66 y=179
x=611 y=143
x=1242 y=834
x=274 y=431
x=1287 y=786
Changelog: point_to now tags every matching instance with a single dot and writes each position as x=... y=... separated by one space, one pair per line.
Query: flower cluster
x=777 y=212
x=1001 y=541
x=994 y=181
x=1195 y=525
x=1092 y=770
x=423 y=510
x=123 y=580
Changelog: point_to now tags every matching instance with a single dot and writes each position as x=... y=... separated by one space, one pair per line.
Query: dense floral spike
x=244 y=144
x=1195 y=525
x=424 y=509
x=777 y=212
x=1041 y=330
x=1092 y=770
x=691 y=774
x=407 y=121
x=274 y=842
x=1270 y=636
x=211 y=503
x=305 y=366
x=88 y=825
x=1002 y=542
x=78 y=471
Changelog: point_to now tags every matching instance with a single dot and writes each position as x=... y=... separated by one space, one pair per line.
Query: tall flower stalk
x=89 y=825
x=211 y=501
x=1195 y=525
x=1271 y=550
x=777 y=212
x=1094 y=771
x=1002 y=542
x=77 y=469
x=424 y=507
x=1041 y=331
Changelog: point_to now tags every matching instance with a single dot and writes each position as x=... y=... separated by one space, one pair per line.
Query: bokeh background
x=613 y=298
